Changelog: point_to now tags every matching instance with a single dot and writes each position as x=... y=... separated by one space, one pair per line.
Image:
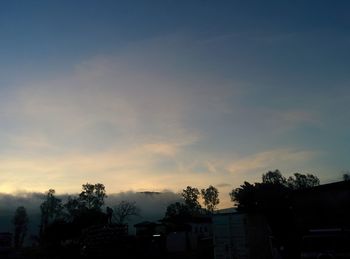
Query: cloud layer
x=152 y=207
x=217 y=97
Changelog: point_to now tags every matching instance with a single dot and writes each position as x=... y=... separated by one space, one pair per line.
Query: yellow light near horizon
x=7 y=189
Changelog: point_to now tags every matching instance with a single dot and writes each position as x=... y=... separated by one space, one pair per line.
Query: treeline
x=272 y=192
x=272 y=201
x=66 y=220
x=190 y=205
x=60 y=220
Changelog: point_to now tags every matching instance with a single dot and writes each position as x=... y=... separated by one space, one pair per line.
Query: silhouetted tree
x=92 y=196
x=190 y=196
x=302 y=181
x=109 y=212
x=20 y=222
x=268 y=197
x=271 y=198
x=210 y=197
x=190 y=206
x=73 y=207
x=274 y=177
x=51 y=209
x=85 y=210
x=272 y=192
x=177 y=210
x=125 y=210
x=245 y=197
x=346 y=177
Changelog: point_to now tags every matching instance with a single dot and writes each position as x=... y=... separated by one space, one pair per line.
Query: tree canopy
x=302 y=181
x=51 y=209
x=272 y=192
x=20 y=222
x=190 y=196
x=92 y=196
x=177 y=210
x=210 y=197
x=124 y=210
x=189 y=207
x=274 y=177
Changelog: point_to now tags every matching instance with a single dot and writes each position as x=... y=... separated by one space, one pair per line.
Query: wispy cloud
x=224 y=185
x=147 y=117
x=111 y=119
x=165 y=149
x=270 y=160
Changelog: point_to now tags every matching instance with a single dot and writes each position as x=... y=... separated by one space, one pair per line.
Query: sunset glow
x=138 y=99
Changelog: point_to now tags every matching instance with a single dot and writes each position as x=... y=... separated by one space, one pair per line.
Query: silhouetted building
x=147 y=228
x=5 y=242
x=105 y=240
x=240 y=236
x=324 y=206
x=190 y=237
x=321 y=219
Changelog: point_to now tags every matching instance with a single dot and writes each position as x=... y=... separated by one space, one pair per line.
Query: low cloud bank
x=152 y=206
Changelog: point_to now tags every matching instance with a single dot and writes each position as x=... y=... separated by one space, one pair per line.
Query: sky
x=158 y=95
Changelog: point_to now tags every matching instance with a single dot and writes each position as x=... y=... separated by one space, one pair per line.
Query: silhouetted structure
x=189 y=237
x=148 y=229
x=107 y=240
x=241 y=236
x=321 y=219
x=5 y=243
x=324 y=206
x=314 y=218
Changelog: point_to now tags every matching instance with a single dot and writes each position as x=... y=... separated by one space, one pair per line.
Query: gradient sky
x=153 y=95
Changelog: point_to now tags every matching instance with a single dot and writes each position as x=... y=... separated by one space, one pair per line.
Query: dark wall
x=325 y=206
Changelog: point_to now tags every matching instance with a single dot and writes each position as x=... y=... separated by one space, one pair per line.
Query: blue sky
x=154 y=95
